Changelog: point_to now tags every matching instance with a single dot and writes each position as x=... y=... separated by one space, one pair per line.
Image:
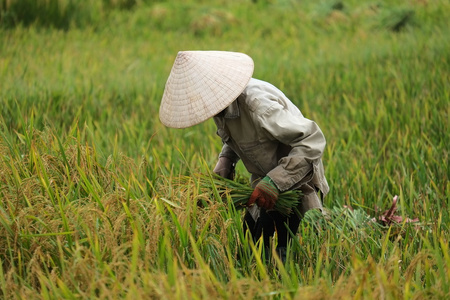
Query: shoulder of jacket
x=257 y=95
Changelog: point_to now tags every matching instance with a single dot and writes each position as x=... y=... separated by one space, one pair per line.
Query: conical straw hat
x=201 y=84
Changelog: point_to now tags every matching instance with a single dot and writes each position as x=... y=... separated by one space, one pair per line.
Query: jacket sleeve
x=302 y=135
x=228 y=152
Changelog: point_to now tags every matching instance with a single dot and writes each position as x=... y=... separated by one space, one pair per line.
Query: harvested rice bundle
x=239 y=193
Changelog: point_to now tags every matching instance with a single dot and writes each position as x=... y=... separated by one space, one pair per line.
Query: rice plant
x=238 y=192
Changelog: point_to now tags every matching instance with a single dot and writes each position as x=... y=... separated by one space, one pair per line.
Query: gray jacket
x=269 y=134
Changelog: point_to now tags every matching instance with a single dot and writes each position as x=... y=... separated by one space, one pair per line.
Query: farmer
x=258 y=125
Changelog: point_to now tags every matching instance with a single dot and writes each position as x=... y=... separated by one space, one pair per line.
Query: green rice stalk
x=239 y=193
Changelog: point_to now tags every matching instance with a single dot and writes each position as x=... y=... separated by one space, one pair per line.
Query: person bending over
x=259 y=125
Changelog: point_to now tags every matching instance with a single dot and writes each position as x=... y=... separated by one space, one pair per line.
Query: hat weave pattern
x=201 y=84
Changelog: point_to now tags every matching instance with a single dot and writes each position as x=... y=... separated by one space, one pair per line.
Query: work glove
x=225 y=168
x=265 y=194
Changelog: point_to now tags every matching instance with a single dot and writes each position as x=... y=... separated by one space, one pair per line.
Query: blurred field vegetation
x=90 y=207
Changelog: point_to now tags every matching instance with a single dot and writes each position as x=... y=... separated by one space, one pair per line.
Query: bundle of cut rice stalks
x=239 y=193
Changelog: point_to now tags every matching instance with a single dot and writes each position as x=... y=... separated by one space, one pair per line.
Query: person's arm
x=228 y=152
x=226 y=164
x=305 y=138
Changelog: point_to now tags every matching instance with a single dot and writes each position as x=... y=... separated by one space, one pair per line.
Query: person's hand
x=225 y=168
x=265 y=194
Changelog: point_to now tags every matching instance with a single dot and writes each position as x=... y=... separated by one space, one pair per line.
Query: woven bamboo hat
x=201 y=84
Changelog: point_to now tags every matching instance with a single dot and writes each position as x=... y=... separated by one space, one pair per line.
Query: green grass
x=91 y=205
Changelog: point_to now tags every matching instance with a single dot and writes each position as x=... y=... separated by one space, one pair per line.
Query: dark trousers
x=270 y=222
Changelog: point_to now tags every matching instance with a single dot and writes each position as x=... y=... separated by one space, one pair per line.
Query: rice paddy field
x=100 y=201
